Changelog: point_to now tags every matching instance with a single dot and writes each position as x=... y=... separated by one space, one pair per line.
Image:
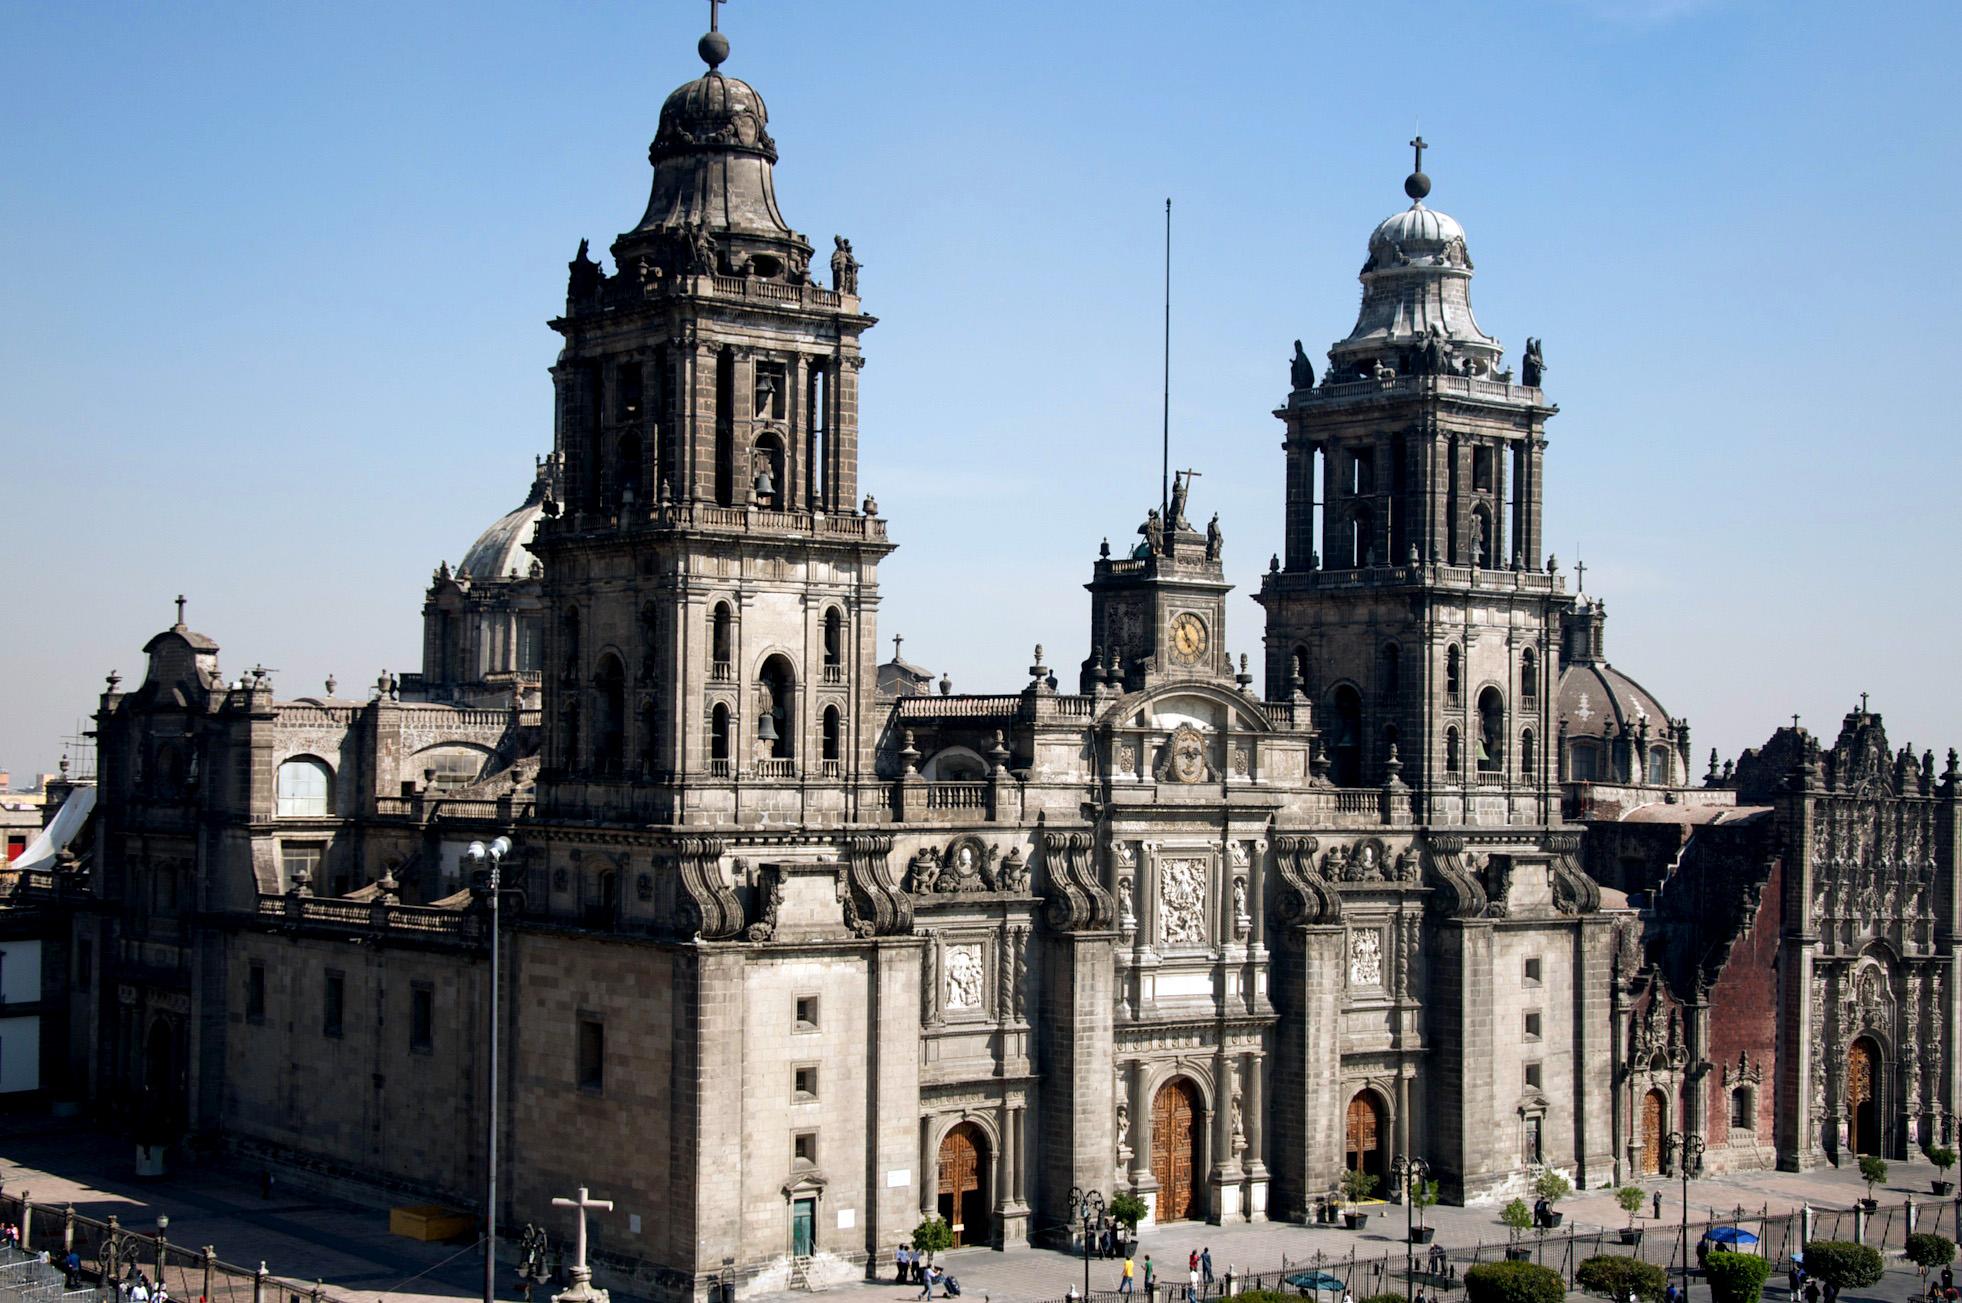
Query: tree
x=1618 y=1276
x=1517 y=1217
x=1841 y=1264
x=1514 y=1282
x=1873 y=1170
x=1423 y=1194
x=1552 y=1187
x=1127 y=1210
x=1736 y=1277
x=1926 y=1251
x=1357 y=1186
x=1631 y=1199
x=933 y=1236
x=1943 y=1158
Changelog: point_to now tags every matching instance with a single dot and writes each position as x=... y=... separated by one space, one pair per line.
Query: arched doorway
x=1652 y=1132
x=1363 y=1137
x=1175 y=1129
x=964 y=1201
x=1863 y=1096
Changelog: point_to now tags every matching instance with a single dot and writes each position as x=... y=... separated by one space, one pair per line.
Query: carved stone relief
x=1182 y=902
x=964 y=976
x=1365 y=958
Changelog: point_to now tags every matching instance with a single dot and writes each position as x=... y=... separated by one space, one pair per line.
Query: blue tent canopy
x=1315 y=1280
x=1730 y=1235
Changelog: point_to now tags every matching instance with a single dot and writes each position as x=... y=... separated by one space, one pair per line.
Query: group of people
x=135 y=1287
x=1199 y=1275
x=914 y=1267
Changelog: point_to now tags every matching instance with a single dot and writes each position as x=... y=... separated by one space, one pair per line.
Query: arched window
x=1362 y=537
x=725 y=428
x=304 y=789
x=814 y=482
x=833 y=733
x=1452 y=761
x=719 y=739
x=1453 y=672
x=1529 y=676
x=1346 y=749
x=1491 y=732
x=776 y=716
x=1481 y=551
x=1658 y=766
x=1389 y=675
x=766 y=472
x=834 y=639
x=626 y=469
x=609 y=716
x=1526 y=753
x=722 y=639
x=1583 y=761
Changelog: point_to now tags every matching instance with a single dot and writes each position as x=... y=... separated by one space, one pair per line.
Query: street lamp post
x=1689 y=1149
x=1410 y=1173
x=492 y=854
x=1087 y=1211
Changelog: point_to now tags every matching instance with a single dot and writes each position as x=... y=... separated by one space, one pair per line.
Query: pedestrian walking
x=1148 y=1271
x=1655 y=1205
x=1206 y=1265
x=1124 y=1286
x=72 y=1266
x=1192 y=1283
x=1192 y=1261
x=899 y=1256
x=926 y=1282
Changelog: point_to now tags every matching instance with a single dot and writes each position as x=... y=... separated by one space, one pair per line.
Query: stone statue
x=1175 y=518
x=1301 y=371
x=844 y=267
x=1154 y=532
x=1532 y=367
x=701 y=249
x=1215 y=541
x=585 y=276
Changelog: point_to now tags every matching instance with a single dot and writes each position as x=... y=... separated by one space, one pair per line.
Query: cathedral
x=798 y=951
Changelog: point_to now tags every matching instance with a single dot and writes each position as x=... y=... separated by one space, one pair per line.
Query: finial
x=180 y=610
x=896 y=640
x=1863 y=703
x=1580 y=576
x=714 y=46
x=1795 y=720
x=1417 y=185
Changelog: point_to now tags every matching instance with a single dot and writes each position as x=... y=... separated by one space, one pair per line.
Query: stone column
x=1140 y=1125
x=1224 y=1177
x=1076 y=1041
x=1254 y=1075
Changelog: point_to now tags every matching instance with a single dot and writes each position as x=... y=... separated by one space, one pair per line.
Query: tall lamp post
x=1689 y=1151
x=493 y=855
x=1087 y=1211
x=1410 y=1173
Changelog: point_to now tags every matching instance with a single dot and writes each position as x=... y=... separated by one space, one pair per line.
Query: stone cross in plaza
x=581 y=1288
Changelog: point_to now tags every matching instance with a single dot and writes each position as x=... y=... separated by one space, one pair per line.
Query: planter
x=1943 y=1187
x=150 y=1160
x=1553 y=1218
x=1871 y=1205
x=1519 y=1255
x=1422 y=1234
x=1355 y=1221
x=1631 y=1235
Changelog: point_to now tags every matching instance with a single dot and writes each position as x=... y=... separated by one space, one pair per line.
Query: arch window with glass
x=834 y=645
x=1583 y=761
x=1491 y=732
x=719 y=740
x=1658 y=766
x=304 y=788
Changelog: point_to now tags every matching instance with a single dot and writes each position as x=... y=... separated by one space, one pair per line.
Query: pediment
x=1203 y=707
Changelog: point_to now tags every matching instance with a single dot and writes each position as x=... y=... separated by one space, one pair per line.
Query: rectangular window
x=84 y=964
x=592 y=1054
x=296 y=858
x=804 y=1082
x=255 y=993
x=1533 y=972
x=807 y=1013
x=1532 y=1076
x=804 y=1149
x=422 y=1017
x=334 y=1005
x=1740 y=1110
x=1533 y=1026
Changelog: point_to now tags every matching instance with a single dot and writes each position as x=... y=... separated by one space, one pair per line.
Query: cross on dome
x=1417 y=185
x=715 y=8
x=1416 y=143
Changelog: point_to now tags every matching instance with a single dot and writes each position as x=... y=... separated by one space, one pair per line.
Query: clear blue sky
x=275 y=281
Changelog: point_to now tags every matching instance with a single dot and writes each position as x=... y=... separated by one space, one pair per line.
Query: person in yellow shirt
x=1130 y=1268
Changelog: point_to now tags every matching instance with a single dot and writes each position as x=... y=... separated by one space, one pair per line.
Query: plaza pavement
x=303 y=1238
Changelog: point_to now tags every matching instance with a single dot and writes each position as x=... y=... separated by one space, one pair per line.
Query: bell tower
x=1413 y=603
x=711 y=574
x=1159 y=611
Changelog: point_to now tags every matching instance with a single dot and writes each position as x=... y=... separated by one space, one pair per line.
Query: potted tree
x=1943 y=1158
x=1127 y=1210
x=1356 y=1187
x=932 y=1236
x=1839 y=1265
x=1423 y=1194
x=1631 y=1200
x=1873 y=1170
x=1518 y=1218
x=1552 y=1187
x=1927 y=1251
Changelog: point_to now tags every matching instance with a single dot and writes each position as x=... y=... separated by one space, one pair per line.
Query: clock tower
x=1159 y=613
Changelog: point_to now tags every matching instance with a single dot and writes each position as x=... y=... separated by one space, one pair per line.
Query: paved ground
x=303 y=1239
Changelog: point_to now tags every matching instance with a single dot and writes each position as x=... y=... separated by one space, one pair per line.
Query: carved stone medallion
x=1184 y=758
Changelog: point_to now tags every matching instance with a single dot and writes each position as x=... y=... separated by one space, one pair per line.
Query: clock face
x=1188 y=637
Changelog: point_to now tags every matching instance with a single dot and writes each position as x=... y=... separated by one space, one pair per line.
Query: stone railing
x=427 y=806
x=752 y=520
x=957 y=796
x=803 y=296
x=1451 y=386
x=956 y=707
x=1523 y=581
x=369 y=915
x=776 y=768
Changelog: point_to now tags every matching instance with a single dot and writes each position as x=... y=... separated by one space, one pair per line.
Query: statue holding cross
x=581 y=1289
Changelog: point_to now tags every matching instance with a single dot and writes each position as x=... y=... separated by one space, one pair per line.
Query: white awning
x=54 y=838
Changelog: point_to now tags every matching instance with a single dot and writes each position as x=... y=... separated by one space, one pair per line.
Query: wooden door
x=1652 y=1133
x=1862 y=1106
x=1174 y=1145
x=1363 y=1136
x=962 y=1199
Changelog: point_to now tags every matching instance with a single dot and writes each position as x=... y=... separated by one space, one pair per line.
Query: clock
x=1188 y=638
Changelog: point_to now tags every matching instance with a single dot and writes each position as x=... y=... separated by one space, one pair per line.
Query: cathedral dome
x=1416 y=227
x=504 y=550
x=1595 y=695
x=713 y=109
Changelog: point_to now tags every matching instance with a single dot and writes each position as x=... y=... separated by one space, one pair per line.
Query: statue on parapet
x=844 y=266
x=1301 y=371
x=1532 y=367
x=1154 y=533
x=1215 y=541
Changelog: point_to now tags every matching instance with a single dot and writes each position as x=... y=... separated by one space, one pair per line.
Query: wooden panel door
x=1173 y=1145
x=1363 y=1136
x=1863 y=1133
x=1652 y=1133
x=960 y=1186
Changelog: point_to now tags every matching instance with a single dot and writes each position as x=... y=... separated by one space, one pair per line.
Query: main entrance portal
x=1175 y=1149
x=964 y=1202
